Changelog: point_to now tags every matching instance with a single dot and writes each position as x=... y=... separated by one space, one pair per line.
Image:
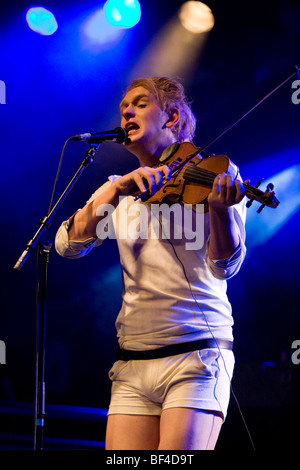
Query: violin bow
x=242 y=116
x=200 y=150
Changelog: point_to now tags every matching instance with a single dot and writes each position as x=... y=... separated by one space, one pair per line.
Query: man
x=168 y=392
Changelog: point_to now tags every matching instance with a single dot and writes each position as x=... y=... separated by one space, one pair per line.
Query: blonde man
x=171 y=382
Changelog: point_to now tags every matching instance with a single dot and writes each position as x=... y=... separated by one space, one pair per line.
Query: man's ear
x=174 y=116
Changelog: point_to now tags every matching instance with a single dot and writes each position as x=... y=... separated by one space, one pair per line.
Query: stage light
x=196 y=17
x=173 y=51
x=41 y=20
x=123 y=13
x=98 y=32
x=260 y=228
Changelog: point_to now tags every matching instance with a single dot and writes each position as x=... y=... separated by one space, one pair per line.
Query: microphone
x=118 y=134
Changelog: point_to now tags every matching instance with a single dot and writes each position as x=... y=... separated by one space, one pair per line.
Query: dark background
x=59 y=85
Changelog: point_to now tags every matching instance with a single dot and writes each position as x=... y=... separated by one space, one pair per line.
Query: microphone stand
x=43 y=251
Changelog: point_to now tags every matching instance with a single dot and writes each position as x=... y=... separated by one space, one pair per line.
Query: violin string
x=200 y=175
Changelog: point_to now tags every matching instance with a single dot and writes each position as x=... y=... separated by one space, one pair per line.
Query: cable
x=220 y=353
x=57 y=174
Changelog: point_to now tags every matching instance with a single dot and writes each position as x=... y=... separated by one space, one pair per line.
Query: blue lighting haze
x=261 y=227
x=98 y=31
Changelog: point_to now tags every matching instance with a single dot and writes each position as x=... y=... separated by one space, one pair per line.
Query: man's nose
x=129 y=112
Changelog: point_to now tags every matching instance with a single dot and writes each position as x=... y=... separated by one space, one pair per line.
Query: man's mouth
x=131 y=126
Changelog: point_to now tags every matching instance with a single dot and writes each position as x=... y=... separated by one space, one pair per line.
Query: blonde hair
x=169 y=93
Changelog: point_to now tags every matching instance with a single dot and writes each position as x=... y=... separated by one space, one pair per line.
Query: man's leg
x=132 y=432
x=189 y=429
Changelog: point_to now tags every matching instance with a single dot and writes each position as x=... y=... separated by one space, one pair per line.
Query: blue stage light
x=41 y=20
x=123 y=13
x=260 y=228
x=97 y=31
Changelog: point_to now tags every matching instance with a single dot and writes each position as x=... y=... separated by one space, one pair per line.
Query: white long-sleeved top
x=172 y=291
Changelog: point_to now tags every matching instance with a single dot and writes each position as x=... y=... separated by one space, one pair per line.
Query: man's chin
x=130 y=143
x=127 y=141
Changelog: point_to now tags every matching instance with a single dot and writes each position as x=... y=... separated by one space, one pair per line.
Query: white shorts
x=198 y=379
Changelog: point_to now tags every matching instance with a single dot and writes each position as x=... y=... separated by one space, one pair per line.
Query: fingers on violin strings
x=159 y=176
x=151 y=178
x=143 y=179
x=216 y=184
x=240 y=190
x=224 y=188
x=166 y=172
x=139 y=181
x=231 y=190
x=224 y=184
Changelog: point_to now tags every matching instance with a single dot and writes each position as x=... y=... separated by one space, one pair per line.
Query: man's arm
x=85 y=221
x=224 y=231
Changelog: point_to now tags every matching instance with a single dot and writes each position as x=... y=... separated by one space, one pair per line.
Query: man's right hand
x=142 y=179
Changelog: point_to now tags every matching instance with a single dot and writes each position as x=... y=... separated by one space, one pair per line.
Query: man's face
x=144 y=121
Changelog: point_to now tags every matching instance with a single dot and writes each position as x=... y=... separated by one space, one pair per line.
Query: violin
x=193 y=176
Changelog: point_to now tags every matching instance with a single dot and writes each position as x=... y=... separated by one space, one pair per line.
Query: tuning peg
x=269 y=188
x=249 y=203
x=261 y=208
x=259 y=182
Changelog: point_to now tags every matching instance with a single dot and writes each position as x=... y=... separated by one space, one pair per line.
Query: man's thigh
x=132 y=432
x=189 y=429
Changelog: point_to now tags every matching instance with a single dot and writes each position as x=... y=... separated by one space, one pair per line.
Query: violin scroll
x=266 y=198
